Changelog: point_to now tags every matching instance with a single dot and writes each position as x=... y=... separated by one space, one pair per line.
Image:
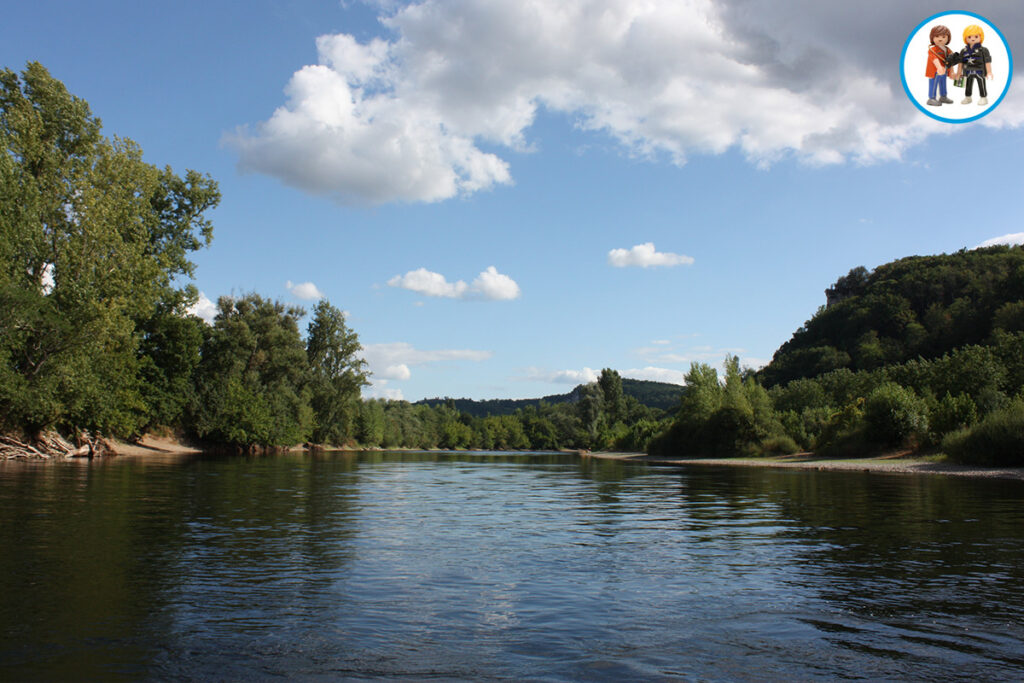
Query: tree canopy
x=92 y=243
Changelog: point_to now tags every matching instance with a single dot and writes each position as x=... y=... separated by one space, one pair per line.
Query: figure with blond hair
x=975 y=64
x=938 y=56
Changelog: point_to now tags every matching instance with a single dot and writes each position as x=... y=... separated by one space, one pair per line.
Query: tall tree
x=337 y=374
x=92 y=240
x=253 y=378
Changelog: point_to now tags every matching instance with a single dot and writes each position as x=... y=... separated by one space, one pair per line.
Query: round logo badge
x=956 y=66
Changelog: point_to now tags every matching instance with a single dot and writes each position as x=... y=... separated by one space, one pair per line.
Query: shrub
x=997 y=440
x=894 y=414
x=952 y=413
x=779 y=445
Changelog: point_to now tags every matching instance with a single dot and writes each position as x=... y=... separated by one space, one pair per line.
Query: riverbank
x=890 y=463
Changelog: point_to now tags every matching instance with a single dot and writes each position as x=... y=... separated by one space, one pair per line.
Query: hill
x=661 y=395
x=915 y=307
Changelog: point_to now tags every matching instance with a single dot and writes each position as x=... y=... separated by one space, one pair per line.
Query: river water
x=493 y=566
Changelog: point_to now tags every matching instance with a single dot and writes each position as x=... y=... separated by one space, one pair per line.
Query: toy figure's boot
x=934 y=102
x=966 y=100
x=945 y=100
x=982 y=101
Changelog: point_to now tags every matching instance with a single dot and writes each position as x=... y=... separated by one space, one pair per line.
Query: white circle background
x=915 y=61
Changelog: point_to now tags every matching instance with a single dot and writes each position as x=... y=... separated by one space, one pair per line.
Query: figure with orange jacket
x=938 y=58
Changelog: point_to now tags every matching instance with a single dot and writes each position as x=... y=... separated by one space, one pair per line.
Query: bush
x=779 y=445
x=894 y=414
x=950 y=414
x=997 y=440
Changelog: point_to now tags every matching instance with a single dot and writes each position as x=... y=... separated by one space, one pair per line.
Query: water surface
x=492 y=566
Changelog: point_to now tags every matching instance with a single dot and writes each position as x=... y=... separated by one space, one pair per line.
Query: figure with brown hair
x=938 y=56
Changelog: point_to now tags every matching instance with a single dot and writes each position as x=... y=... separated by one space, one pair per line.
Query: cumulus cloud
x=404 y=118
x=1011 y=239
x=574 y=377
x=399 y=372
x=304 y=290
x=645 y=256
x=204 y=308
x=490 y=285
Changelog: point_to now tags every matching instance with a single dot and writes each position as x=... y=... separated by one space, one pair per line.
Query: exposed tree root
x=49 y=445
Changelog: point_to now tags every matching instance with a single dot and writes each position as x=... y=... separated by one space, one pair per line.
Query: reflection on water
x=414 y=565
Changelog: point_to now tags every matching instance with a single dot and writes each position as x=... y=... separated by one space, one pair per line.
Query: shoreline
x=898 y=463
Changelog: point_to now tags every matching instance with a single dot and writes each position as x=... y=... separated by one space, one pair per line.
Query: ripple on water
x=483 y=566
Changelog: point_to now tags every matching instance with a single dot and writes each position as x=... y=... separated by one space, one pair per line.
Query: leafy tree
x=92 y=240
x=611 y=389
x=337 y=374
x=253 y=377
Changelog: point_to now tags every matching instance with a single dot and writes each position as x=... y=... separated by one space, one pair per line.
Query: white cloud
x=398 y=353
x=1011 y=239
x=645 y=256
x=404 y=118
x=204 y=308
x=574 y=377
x=380 y=389
x=392 y=361
x=656 y=374
x=304 y=290
x=399 y=372
x=490 y=284
x=430 y=283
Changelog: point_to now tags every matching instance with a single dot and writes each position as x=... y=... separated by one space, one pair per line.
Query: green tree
x=614 y=401
x=337 y=374
x=253 y=378
x=92 y=242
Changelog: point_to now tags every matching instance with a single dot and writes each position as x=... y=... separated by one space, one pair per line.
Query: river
x=503 y=566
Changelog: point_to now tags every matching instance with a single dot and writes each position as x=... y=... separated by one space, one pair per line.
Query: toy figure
x=938 y=55
x=975 y=64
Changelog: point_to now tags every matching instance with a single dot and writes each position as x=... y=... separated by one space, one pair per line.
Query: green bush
x=998 y=440
x=950 y=414
x=894 y=414
x=779 y=445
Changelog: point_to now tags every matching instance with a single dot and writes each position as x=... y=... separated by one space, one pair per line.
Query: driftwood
x=52 y=445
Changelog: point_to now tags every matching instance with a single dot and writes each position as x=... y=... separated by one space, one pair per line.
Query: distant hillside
x=920 y=306
x=653 y=394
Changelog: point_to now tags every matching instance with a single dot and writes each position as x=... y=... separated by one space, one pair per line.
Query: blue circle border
x=903 y=75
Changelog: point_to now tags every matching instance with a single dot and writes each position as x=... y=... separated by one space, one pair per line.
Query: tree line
x=96 y=336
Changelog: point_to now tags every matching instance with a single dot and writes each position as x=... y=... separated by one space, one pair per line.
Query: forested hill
x=652 y=394
x=920 y=306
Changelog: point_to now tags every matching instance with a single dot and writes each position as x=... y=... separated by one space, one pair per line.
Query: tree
x=614 y=402
x=92 y=240
x=337 y=374
x=253 y=378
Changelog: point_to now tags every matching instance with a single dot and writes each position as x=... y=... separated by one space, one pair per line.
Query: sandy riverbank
x=885 y=464
x=892 y=463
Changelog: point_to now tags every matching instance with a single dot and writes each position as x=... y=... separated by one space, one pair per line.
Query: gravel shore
x=886 y=464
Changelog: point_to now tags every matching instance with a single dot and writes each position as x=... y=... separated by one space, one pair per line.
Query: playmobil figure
x=975 y=64
x=938 y=56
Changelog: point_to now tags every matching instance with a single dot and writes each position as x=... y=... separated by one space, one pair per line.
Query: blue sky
x=474 y=181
